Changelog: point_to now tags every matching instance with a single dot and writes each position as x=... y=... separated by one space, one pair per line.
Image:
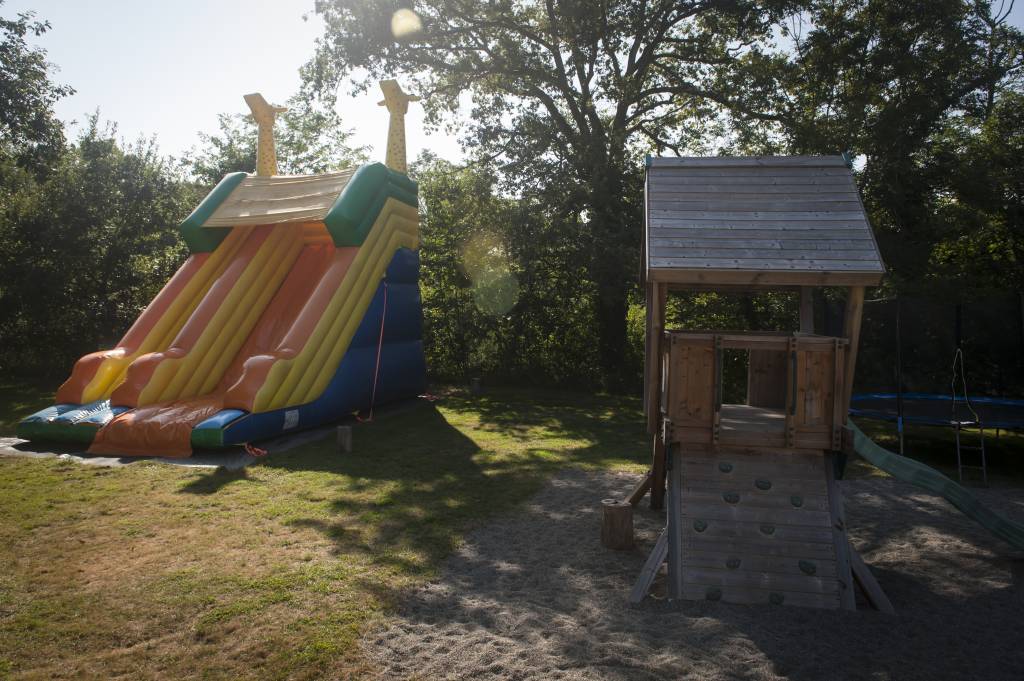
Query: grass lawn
x=152 y=570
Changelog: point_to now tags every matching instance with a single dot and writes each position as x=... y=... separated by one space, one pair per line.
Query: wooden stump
x=617 y=524
x=344 y=439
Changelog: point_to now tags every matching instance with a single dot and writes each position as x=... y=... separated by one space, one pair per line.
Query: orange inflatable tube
x=141 y=370
x=85 y=368
x=242 y=395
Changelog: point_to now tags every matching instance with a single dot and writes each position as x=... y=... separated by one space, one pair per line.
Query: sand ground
x=533 y=595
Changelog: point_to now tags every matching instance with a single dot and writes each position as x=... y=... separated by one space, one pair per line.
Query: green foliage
x=84 y=250
x=503 y=280
x=30 y=136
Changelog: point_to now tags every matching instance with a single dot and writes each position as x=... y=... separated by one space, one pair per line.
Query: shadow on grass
x=415 y=480
x=216 y=481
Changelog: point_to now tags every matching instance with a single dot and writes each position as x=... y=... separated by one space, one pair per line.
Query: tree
x=30 y=134
x=310 y=139
x=83 y=251
x=566 y=95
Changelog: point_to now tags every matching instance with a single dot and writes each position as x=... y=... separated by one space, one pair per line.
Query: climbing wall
x=763 y=526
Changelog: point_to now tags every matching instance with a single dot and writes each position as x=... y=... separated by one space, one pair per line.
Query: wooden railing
x=794 y=390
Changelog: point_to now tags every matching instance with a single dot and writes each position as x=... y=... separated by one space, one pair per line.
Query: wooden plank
x=807 y=307
x=658 y=473
x=720 y=240
x=748 y=190
x=719 y=510
x=847 y=598
x=641 y=489
x=869 y=585
x=817 y=547
x=782 y=228
x=749 y=596
x=656 y=298
x=738 y=250
x=753 y=277
x=753 y=562
x=761 y=264
x=779 y=485
x=808 y=215
x=675 y=522
x=726 y=578
x=750 y=469
x=744 y=161
x=667 y=180
x=826 y=204
x=751 y=498
x=766 y=374
x=650 y=569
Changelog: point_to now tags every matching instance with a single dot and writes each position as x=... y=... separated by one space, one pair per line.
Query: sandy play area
x=533 y=595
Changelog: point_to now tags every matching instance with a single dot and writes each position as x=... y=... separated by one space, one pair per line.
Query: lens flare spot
x=405 y=23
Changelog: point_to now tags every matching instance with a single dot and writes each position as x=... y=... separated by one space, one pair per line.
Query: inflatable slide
x=298 y=304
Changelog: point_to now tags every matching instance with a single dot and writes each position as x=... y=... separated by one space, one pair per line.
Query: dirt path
x=535 y=596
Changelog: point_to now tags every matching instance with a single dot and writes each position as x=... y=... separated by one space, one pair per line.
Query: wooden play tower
x=754 y=511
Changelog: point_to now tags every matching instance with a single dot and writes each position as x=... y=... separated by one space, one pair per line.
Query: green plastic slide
x=926 y=477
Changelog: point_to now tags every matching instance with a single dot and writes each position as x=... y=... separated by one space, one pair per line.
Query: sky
x=168 y=68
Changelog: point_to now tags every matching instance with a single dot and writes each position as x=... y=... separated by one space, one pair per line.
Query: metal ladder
x=961 y=447
x=973 y=421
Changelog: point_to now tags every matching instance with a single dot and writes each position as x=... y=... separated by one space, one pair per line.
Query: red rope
x=253 y=450
x=380 y=346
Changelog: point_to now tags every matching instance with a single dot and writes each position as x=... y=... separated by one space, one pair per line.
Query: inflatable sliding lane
x=298 y=305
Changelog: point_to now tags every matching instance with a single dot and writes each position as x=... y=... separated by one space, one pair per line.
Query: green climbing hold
x=768 y=529
x=796 y=500
x=732 y=563
x=725 y=467
x=807 y=567
x=776 y=598
x=700 y=525
x=731 y=497
x=713 y=594
x=763 y=484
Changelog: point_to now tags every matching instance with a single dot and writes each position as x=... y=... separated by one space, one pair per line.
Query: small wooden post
x=616 y=524
x=344 y=439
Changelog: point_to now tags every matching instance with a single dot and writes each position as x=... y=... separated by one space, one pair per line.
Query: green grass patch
x=19 y=399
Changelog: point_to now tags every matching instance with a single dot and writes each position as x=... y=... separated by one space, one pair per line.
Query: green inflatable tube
x=927 y=478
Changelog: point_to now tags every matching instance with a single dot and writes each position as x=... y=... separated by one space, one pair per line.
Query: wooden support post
x=869 y=585
x=657 y=296
x=344 y=439
x=658 y=474
x=650 y=569
x=806 y=309
x=675 y=523
x=847 y=598
x=851 y=330
x=616 y=524
x=641 y=489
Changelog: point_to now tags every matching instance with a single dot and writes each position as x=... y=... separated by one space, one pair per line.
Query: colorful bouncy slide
x=298 y=304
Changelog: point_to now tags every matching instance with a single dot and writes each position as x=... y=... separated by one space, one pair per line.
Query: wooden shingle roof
x=766 y=220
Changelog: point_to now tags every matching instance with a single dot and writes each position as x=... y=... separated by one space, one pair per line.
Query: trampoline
x=938 y=410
